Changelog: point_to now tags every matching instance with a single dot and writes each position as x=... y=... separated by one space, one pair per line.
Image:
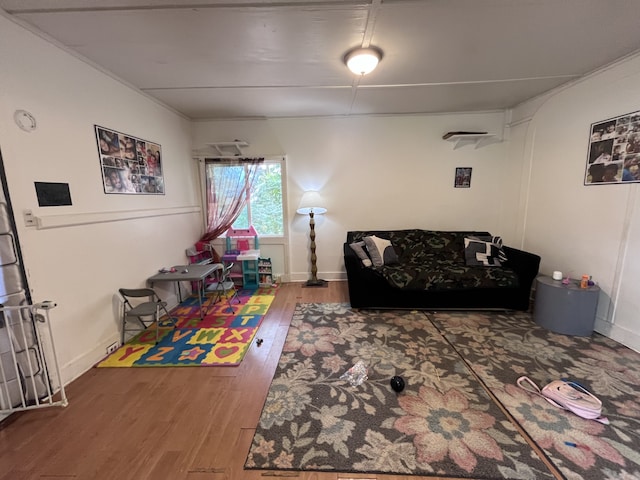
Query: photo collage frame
x=614 y=151
x=129 y=165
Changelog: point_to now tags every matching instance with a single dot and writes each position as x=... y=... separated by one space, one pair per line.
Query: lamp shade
x=311 y=201
x=362 y=60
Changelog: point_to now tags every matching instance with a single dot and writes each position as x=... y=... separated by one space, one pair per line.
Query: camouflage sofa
x=430 y=270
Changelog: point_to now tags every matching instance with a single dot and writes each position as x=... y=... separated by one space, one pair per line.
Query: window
x=264 y=208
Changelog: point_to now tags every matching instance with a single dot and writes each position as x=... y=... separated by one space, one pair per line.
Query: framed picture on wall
x=463 y=177
x=129 y=165
x=614 y=151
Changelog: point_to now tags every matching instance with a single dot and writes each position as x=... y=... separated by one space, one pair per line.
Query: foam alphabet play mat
x=221 y=338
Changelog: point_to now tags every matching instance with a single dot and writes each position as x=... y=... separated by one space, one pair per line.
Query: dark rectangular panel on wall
x=53 y=194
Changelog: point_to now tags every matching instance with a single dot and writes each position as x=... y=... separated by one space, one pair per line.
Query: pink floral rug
x=444 y=423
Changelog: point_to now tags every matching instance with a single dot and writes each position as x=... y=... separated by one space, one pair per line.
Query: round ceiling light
x=363 y=60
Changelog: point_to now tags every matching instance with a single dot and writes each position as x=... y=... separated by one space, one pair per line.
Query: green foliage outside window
x=266 y=202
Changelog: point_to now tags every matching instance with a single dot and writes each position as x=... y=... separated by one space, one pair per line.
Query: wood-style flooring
x=162 y=423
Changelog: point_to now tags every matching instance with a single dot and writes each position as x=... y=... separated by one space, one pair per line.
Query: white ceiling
x=263 y=58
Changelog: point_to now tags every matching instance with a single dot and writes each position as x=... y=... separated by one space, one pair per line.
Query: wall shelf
x=478 y=139
x=229 y=148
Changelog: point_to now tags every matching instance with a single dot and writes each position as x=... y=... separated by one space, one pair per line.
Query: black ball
x=397 y=383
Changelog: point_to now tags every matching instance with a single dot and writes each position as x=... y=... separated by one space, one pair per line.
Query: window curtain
x=227 y=190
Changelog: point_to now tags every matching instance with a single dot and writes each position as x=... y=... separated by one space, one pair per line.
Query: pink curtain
x=227 y=192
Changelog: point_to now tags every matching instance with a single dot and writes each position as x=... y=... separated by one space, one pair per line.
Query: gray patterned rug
x=443 y=424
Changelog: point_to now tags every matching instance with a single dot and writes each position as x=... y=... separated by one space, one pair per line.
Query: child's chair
x=202 y=253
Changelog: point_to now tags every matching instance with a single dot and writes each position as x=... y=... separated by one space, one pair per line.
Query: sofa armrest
x=351 y=260
x=352 y=264
x=361 y=280
x=525 y=264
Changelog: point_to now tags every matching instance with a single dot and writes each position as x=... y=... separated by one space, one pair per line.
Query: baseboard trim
x=619 y=334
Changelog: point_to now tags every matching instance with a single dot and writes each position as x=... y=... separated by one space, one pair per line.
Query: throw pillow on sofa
x=497 y=241
x=359 y=249
x=381 y=251
x=484 y=251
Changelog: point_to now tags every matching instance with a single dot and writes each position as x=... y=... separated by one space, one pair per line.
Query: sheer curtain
x=228 y=184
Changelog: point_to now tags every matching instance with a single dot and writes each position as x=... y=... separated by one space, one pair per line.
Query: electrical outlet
x=112 y=348
x=29 y=219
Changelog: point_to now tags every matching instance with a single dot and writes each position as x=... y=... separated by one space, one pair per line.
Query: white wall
x=384 y=172
x=582 y=229
x=81 y=267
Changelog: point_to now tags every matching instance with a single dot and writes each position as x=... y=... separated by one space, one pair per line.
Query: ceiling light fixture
x=363 y=60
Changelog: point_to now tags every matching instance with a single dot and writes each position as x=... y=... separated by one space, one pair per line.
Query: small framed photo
x=463 y=177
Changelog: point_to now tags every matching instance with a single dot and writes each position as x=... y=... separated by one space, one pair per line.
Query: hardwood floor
x=161 y=423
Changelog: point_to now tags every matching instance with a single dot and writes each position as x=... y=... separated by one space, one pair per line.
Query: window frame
x=271 y=243
x=249 y=206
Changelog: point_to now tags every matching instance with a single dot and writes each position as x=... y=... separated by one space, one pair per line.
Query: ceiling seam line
x=142 y=8
x=338 y=87
x=371 y=23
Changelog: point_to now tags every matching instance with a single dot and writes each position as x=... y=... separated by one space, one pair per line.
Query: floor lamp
x=310 y=204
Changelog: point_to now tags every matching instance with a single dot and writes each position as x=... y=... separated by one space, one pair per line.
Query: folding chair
x=149 y=310
x=223 y=284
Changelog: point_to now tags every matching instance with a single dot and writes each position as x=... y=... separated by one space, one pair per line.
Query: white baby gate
x=25 y=377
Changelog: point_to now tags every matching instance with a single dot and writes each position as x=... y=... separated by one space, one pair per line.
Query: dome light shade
x=363 y=60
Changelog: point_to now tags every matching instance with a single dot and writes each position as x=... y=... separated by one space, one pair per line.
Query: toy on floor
x=397 y=383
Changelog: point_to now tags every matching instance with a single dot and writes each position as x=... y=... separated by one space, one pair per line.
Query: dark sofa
x=431 y=273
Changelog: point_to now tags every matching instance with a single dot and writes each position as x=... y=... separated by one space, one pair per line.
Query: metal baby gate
x=26 y=352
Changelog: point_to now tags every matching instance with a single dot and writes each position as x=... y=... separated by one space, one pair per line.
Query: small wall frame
x=463 y=177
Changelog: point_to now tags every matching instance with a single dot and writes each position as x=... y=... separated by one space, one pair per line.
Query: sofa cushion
x=442 y=274
x=381 y=251
x=359 y=249
x=484 y=251
x=497 y=241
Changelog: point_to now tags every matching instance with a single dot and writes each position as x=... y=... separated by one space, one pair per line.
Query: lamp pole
x=310 y=204
x=313 y=281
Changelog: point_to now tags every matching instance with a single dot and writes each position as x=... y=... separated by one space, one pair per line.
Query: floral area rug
x=502 y=347
x=442 y=424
